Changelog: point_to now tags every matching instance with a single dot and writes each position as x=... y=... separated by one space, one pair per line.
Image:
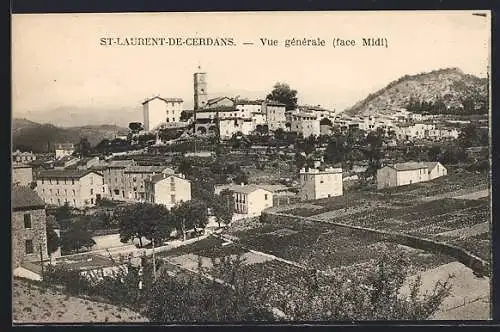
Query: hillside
x=70 y=116
x=440 y=91
x=32 y=136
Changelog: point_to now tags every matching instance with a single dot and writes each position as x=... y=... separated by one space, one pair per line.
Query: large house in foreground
x=249 y=199
x=28 y=222
x=408 y=173
x=167 y=189
x=79 y=189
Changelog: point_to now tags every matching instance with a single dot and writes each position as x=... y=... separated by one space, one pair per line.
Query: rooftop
x=409 y=166
x=147 y=169
x=121 y=163
x=63 y=174
x=159 y=177
x=65 y=146
x=167 y=100
x=25 y=197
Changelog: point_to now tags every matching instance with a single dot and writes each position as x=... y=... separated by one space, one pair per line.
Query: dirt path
x=470 y=296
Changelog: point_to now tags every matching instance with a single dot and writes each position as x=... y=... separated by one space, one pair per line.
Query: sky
x=57 y=60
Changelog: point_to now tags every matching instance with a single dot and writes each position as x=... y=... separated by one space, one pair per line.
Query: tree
x=241 y=177
x=151 y=221
x=77 y=236
x=199 y=299
x=279 y=134
x=83 y=148
x=325 y=122
x=63 y=215
x=223 y=207
x=300 y=160
x=135 y=127
x=473 y=136
x=185 y=116
x=192 y=214
x=284 y=94
x=53 y=240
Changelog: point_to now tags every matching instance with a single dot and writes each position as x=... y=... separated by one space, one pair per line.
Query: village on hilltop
x=293 y=188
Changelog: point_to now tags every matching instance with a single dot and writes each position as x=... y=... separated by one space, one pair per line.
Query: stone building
x=135 y=177
x=316 y=183
x=115 y=178
x=28 y=222
x=22 y=174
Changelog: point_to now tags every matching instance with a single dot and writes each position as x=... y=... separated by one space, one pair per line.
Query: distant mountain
x=440 y=91
x=31 y=136
x=75 y=116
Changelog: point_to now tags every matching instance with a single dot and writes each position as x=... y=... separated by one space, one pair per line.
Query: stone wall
x=37 y=233
x=465 y=257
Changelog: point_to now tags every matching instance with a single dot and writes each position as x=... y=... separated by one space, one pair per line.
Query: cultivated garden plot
x=33 y=304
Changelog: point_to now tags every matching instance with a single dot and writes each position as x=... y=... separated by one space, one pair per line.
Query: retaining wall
x=465 y=257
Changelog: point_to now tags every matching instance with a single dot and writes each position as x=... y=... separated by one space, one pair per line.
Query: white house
x=408 y=173
x=251 y=199
x=436 y=169
x=316 y=183
x=167 y=189
x=157 y=111
x=64 y=149
x=77 y=188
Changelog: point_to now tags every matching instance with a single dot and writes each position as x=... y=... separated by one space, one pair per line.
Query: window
x=103 y=181
x=265 y=197
x=92 y=191
x=58 y=201
x=172 y=198
x=57 y=192
x=74 y=202
x=28 y=247
x=91 y=201
x=50 y=181
x=42 y=181
x=117 y=192
x=65 y=192
x=103 y=190
x=27 y=220
x=72 y=181
x=74 y=193
x=57 y=181
x=91 y=180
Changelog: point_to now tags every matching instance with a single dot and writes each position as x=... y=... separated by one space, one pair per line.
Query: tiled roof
x=245 y=189
x=167 y=100
x=274 y=103
x=158 y=177
x=24 y=197
x=121 y=163
x=21 y=166
x=63 y=174
x=65 y=146
x=147 y=169
x=248 y=102
x=409 y=166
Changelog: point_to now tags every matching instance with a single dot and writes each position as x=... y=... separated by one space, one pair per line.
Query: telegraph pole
x=154 y=260
x=41 y=260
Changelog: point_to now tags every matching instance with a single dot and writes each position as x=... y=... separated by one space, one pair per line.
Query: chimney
x=164 y=175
